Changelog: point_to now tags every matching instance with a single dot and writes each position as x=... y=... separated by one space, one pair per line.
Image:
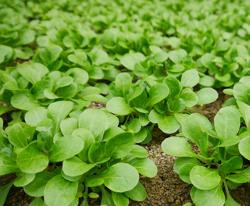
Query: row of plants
x=212 y=156
x=81 y=93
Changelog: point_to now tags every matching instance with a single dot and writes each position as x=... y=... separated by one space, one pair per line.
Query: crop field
x=124 y=103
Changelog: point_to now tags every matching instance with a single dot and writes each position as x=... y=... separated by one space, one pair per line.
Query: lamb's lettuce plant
x=59 y=153
x=211 y=157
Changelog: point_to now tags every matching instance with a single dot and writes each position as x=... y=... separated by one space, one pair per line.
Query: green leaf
x=204 y=178
x=244 y=146
x=75 y=167
x=59 y=191
x=50 y=54
x=229 y=166
x=23 y=102
x=79 y=75
x=120 y=145
x=7 y=165
x=35 y=116
x=145 y=167
x=5 y=53
x=189 y=97
x=190 y=78
x=245 y=112
x=59 y=110
x=138 y=193
x=157 y=93
x=32 y=72
x=120 y=177
x=68 y=125
x=178 y=147
x=118 y=106
x=36 y=187
x=23 y=179
x=240 y=177
x=65 y=148
x=31 y=159
x=207 y=81
x=227 y=123
x=123 y=82
x=26 y=37
x=196 y=127
x=19 y=134
x=207 y=96
x=230 y=201
x=4 y=191
x=131 y=59
x=213 y=197
x=37 y=202
x=241 y=90
x=119 y=199
x=97 y=121
x=183 y=166
x=168 y=124
x=177 y=55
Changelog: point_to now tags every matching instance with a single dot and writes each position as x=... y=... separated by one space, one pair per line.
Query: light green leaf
x=32 y=72
x=59 y=110
x=242 y=176
x=189 y=97
x=120 y=199
x=120 y=177
x=7 y=165
x=204 y=178
x=138 y=193
x=23 y=102
x=177 y=146
x=244 y=147
x=79 y=75
x=36 y=187
x=183 y=166
x=131 y=59
x=190 y=78
x=35 y=116
x=68 y=125
x=123 y=82
x=37 y=202
x=97 y=121
x=118 y=106
x=75 y=167
x=245 y=112
x=213 y=197
x=168 y=124
x=23 y=179
x=145 y=167
x=19 y=134
x=31 y=160
x=227 y=123
x=207 y=96
x=157 y=93
x=59 y=191
x=65 y=148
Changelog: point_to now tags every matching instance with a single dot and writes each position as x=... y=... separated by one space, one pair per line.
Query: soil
x=166 y=189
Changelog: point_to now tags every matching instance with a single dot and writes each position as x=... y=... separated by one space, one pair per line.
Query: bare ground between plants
x=166 y=189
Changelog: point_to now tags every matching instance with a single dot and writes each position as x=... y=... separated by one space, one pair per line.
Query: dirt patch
x=166 y=188
x=210 y=110
x=17 y=197
x=242 y=195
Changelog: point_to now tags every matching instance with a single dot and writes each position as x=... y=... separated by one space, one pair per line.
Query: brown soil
x=210 y=110
x=242 y=195
x=166 y=188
